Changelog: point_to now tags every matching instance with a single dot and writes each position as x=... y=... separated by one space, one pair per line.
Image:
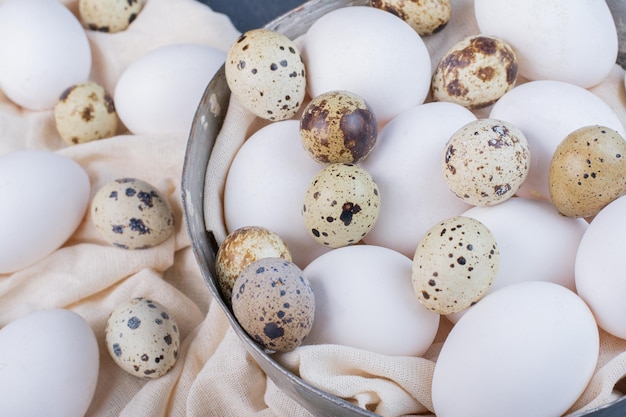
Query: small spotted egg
x=85 y=112
x=424 y=16
x=341 y=205
x=338 y=127
x=142 y=338
x=132 y=214
x=109 y=15
x=454 y=264
x=242 y=247
x=475 y=72
x=486 y=161
x=274 y=303
x=587 y=171
x=265 y=72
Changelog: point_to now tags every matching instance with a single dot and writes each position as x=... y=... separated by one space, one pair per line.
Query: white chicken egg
x=43 y=50
x=160 y=91
x=369 y=52
x=572 y=41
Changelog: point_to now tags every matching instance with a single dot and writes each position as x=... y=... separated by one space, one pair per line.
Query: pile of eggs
x=385 y=194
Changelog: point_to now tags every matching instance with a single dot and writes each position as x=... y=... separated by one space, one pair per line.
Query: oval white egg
x=43 y=51
x=406 y=164
x=49 y=366
x=573 y=41
x=44 y=198
x=506 y=356
x=536 y=243
x=600 y=267
x=369 y=52
x=546 y=112
x=160 y=91
x=364 y=299
x=266 y=184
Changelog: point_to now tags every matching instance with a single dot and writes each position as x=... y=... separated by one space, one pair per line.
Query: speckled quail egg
x=341 y=205
x=142 y=338
x=454 y=265
x=132 y=214
x=242 y=247
x=587 y=171
x=109 y=15
x=424 y=16
x=338 y=127
x=85 y=112
x=486 y=161
x=266 y=73
x=475 y=72
x=274 y=303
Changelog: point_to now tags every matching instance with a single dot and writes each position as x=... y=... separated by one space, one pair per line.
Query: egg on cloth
x=588 y=171
x=265 y=72
x=424 y=16
x=242 y=247
x=142 y=338
x=132 y=214
x=274 y=303
x=109 y=15
x=486 y=161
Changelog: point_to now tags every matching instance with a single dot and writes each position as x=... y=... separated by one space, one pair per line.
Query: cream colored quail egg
x=274 y=303
x=424 y=16
x=109 y=15
x=341 y=205
x=454 y=265
x=142 y=338
x=132 y=214
x=338 y=127
x=486 y=161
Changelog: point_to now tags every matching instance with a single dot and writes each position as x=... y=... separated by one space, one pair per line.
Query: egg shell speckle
x=132 y=214
x=587 y=171
x=242 y=247
x=475 y=72
x=341 y=205
x=274 y=303
x=424 y=16
x=265 y=72
x=109 y=15
x=85 y=112
x=142 y=338
x=486 y=161
x=455 y=264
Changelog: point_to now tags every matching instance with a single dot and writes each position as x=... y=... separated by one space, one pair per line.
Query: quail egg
x=109 y=15
x=424 y=16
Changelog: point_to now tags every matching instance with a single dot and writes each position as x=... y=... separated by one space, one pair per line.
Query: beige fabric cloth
x=214 y=375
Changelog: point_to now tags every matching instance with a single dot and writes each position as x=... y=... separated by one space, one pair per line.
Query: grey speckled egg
x=109 y=15
x=486 y=161
x=266 y=73
x=85 y=112
x=338 y=127
x=424 y=16
x=242 y=247
x=142 y=338
x=274 y=303
x=132 y=214
x=341 y=205
x=475 y=72
x=454 y=264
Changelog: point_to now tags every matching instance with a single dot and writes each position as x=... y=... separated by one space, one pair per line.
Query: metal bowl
x=206 y=127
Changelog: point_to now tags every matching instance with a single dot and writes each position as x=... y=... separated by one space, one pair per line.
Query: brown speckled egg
x=132 y=214
x=475 y=72
x=274 y=303
x=454 y=264
x=109 y=15
x=338 y=127
x=486 y=161
x=424 y=16
x=341 y=205
x=142 y=338
x=266 y=73
x=242 y=247
x=587 y=171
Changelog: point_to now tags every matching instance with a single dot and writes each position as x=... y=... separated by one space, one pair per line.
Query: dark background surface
x=252 y=14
